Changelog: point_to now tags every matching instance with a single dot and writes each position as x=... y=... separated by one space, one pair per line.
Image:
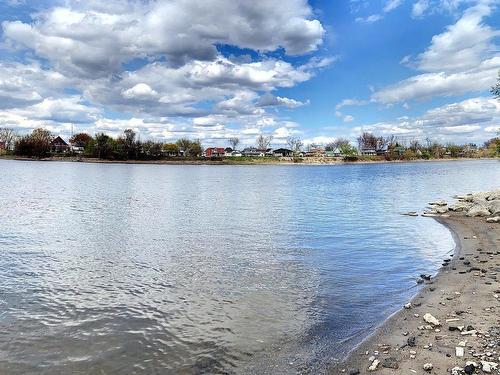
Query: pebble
x=428 y=367
x=374 y=365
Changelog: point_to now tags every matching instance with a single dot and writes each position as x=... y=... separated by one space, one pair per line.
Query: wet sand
x=464 y=296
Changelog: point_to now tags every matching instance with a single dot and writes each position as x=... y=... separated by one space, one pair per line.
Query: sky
x=316 y=70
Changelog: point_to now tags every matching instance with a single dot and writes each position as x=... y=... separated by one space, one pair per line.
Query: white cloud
x=141 y=90
x=370 y=19
x=470 y=120
x=419 y=8
x=90 y=39
x=391 y=5
x=462 y=59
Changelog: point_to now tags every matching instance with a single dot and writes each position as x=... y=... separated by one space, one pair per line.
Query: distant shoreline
x=246 y=161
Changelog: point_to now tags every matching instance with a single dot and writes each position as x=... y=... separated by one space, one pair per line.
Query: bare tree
x=338 y=143
x=263 y=142
x=8 y=136
x=495 y=90
x=295 y=144
x=367 y=140
x=234 y=142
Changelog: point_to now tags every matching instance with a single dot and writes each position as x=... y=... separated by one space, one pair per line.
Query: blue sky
x=316 y=70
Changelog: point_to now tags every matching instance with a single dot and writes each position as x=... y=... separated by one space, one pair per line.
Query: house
x=335 y=153
x=368 y=151
x=384 y=150
x=236 y=153
x=58 y=145
x=228 y=150
x=282 y=152
x=315 y=152
x=252 y=151
x=2 y=145
x=214 y=152
x=77 y=147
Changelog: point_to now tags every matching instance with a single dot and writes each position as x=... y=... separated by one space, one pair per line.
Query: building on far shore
x=282 y=152
x=58 y=145
x=214 y=152
x=368 y=151
x=2 y=145
x=253 y=151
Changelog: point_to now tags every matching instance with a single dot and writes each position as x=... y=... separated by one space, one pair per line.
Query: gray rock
x=390 y=362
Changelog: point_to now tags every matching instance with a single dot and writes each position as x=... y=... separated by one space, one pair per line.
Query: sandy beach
x=452 y=325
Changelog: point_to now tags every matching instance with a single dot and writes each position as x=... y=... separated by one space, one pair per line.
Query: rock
x=408 y=306
x=412 y=341
x=411 y=213
x=459 y=351
x=495 y=219
x=428 y=318
x=488 y=366
x=374 y=365
x=494 y=207
x=354 y=372
x=438 y=203
x=461 y=206
x=478 y=210
x=390 y=362
x=441 y=209
x=425 y=277
x=457 y=371
x=428 y=367
x=470 y=367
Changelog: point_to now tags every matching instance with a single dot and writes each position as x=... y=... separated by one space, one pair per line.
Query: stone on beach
x=374 y=365
x=478 y=210
x=495 y=219
x=428 y=367
x=488 y=366
x=390 y=362
x=428 y=318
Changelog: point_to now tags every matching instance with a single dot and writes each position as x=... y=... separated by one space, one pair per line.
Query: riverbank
x=452 y=325
x=237 y=161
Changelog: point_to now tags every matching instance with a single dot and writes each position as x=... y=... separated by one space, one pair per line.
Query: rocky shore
x=453 y=325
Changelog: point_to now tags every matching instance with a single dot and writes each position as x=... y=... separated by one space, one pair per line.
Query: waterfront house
x=282 y=152
x=335 y=153
x=214 y=152
x=236 y=153
x=58 y=145
x=252 y=152
x=77 y=147
x=315 y=152
x=382 y=151
x=368 y=151
x=2 y=145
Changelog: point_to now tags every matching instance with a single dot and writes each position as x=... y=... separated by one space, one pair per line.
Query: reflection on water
x=123 y=269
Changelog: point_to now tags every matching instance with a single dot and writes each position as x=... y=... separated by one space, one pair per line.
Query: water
x=147 y=269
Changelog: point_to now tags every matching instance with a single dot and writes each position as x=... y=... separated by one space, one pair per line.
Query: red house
x=2 y=145
x=214 y=152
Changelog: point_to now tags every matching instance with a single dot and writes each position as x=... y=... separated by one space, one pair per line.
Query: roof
x=58 y=140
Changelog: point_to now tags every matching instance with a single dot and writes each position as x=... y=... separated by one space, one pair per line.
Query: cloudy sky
x=216 y=69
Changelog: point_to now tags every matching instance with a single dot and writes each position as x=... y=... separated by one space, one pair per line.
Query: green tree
x=171 y=149
x=105 y=146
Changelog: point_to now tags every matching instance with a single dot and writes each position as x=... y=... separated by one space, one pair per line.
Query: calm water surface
x=147 y=269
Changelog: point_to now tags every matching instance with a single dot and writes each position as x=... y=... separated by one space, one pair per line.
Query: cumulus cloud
x=464 y=58
x=467 y=121
x=159 y=65
x=89 y=39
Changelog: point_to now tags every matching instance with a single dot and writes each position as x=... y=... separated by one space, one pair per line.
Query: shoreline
x=462 y=295
x=257 y=161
